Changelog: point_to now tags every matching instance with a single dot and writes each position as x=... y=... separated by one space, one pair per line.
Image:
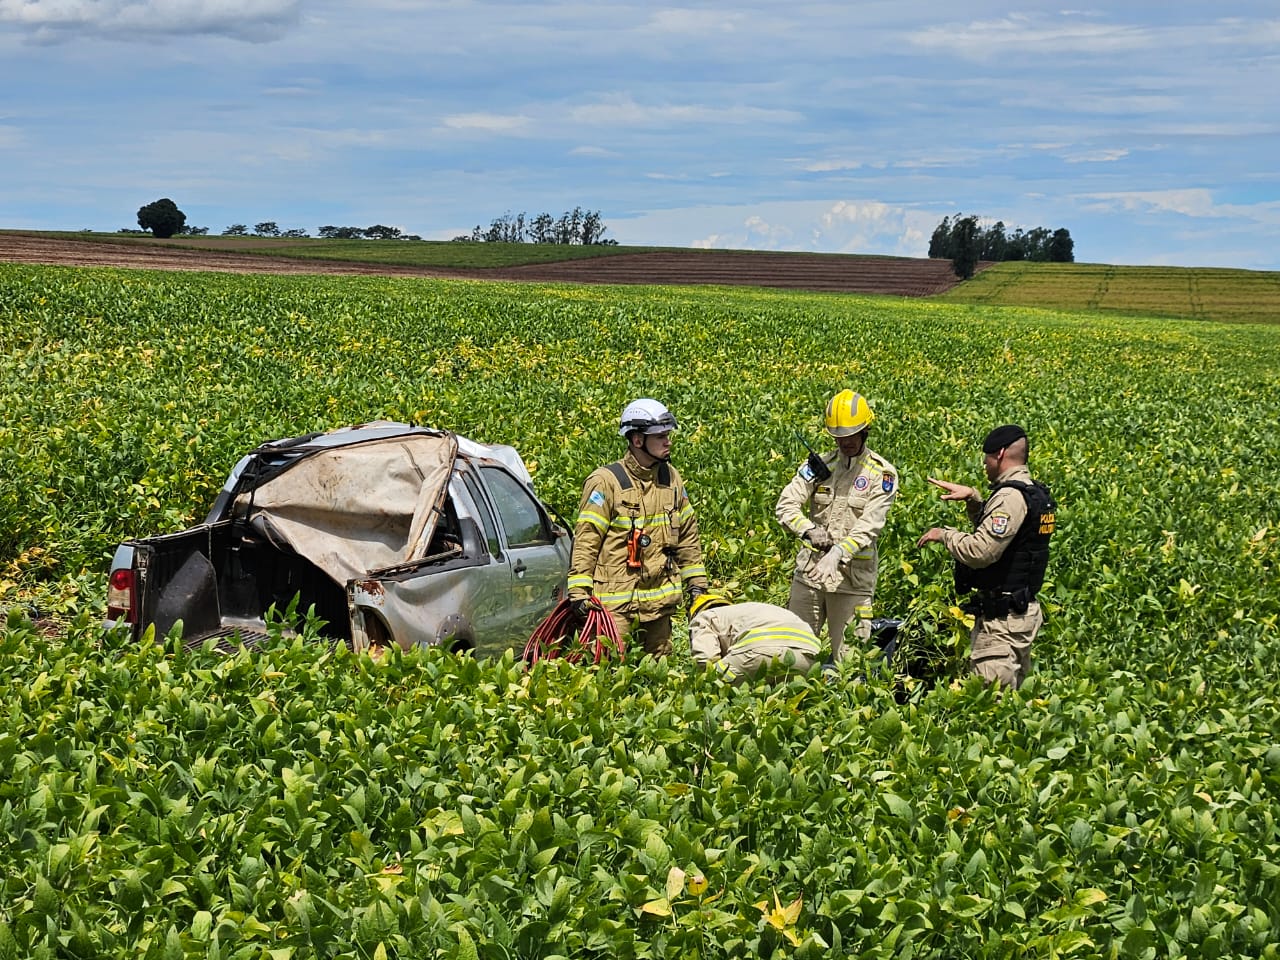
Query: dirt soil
x=828 y=273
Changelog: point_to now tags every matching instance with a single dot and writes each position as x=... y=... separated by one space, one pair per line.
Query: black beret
x=1002 y=437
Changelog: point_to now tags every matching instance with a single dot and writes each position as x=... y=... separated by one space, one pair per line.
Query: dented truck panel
x=479 y=593
x=392 y=533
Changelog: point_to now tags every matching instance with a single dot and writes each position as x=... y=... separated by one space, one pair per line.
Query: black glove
x=694 y=594
x=818 y=467
x=819 y=537
x=580 y=606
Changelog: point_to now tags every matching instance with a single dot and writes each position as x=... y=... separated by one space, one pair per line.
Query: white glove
x=826 y=572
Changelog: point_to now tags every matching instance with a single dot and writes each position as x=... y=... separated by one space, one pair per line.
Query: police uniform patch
x=999 y=524
x=597 y=498
x=886 y=484
x=860 y=483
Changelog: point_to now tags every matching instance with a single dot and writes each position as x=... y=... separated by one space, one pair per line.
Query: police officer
x=636 y=545
x=1003 y=559
x=742 y=639
x=837 y=505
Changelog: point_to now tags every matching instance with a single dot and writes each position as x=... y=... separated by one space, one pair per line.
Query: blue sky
x=1151 y=131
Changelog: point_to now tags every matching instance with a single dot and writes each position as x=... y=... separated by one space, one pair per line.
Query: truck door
x=537 y=558
x=491 y=610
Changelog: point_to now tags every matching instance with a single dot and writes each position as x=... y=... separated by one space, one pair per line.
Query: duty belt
x=998 y=604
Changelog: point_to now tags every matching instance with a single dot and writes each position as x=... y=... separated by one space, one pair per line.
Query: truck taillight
x=120 y=595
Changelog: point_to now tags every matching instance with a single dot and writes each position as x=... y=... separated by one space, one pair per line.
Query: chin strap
x=662 y=468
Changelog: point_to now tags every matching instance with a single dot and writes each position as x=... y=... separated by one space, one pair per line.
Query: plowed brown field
x=896 y=276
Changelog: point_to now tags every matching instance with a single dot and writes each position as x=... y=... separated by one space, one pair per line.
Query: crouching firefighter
x=1002 y=562
x=740 y=640
x=636 y=549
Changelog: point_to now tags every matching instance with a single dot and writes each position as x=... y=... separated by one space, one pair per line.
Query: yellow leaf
x=658 y=908
x=675 y=882
x=791 y=913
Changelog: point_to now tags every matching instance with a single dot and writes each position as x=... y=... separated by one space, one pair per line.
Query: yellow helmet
x=705 y=601
x=847 y=414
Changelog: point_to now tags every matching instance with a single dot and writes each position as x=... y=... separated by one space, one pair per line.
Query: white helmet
x=647 y=416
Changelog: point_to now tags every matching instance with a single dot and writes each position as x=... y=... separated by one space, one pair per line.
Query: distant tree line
x=964 y=241
x=163 y=219
x=574 y=226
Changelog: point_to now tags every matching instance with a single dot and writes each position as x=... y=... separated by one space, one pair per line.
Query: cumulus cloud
x=1195 y=202
x=841 y=226
x=53 y=21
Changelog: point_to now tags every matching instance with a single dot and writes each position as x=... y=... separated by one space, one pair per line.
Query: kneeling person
x=742 y=639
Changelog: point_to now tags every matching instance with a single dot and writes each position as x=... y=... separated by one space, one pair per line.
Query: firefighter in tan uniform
x=1003 y=559
x=635 y=545
x=837 y=505
x=740 y=640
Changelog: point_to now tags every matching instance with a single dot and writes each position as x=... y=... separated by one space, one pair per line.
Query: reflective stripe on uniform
x=627 y=522
x=665 y=592
x=787 y=635
x=580 y=580
x=595 y=519
x=687 y=573
x=855 y=550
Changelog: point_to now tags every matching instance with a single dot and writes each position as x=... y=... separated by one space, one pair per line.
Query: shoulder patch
x=597 y=497
x=805 y=472
x=887 y=481
x=860 y=482
x=999 y=524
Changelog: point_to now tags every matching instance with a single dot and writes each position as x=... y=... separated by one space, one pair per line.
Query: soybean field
x=301 y=801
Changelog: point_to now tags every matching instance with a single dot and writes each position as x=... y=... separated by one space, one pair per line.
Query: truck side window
x=525 y=522
x=486 y=518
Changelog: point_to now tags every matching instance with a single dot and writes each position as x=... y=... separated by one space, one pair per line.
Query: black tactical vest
x=1020 y=569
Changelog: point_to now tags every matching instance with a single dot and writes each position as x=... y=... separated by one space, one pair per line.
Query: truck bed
x=221 y=579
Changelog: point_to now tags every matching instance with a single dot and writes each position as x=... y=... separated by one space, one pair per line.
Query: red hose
x=577 y=639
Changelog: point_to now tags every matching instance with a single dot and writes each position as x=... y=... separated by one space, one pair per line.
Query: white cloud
x=841 y=226
x=827 y=166
x=1097 y=156
x=695 y=23
x=1024 y=35
x=624 y=111
x=586 y=151
x=487 y=122
x=51 y=21
x=1197 y=203
x=1020 y=34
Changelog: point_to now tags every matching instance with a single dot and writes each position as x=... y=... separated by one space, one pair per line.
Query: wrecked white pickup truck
x=395 y=533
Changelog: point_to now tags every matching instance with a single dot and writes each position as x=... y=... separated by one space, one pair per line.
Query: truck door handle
x=519 y=568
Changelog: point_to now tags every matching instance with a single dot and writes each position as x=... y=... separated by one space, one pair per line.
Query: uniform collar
x=1020 y=472
x=852 y=462
x=646 y=474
